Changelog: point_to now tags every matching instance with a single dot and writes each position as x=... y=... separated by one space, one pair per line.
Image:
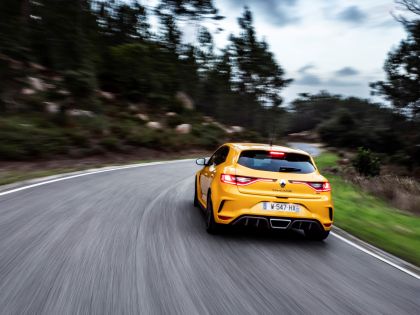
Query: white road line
x=376 y=256
x=87 y=173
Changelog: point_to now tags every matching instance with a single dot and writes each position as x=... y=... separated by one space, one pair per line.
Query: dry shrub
x=401 y=192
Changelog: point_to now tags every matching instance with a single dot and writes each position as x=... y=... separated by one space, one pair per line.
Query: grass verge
x=371 y=218
x=9 y=176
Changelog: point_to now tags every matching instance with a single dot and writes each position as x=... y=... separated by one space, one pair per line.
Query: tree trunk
x=25 y=8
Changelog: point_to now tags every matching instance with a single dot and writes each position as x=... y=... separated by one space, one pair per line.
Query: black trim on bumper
x=276 y=222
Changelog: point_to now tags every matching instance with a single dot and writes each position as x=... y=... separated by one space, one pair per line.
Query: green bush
x=209 y=136
x=176 y=106
x=144 y=137
x=34 y=102
x=341 y=130
x=366 y=163
x=95 y=126
x=175 y=142
x=78 y=138
x=92 y=150
x=122 y=129
x=25 y=141
x=110 y=143
x=10 y=151
x=173 y=121
x=81 y=83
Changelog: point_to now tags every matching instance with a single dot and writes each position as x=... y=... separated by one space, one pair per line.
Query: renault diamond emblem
x=282 y=183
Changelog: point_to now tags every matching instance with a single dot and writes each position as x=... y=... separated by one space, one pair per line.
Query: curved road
x=130 y=242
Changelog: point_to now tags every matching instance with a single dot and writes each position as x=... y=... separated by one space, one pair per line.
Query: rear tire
x=316 y=233
x=211 y=226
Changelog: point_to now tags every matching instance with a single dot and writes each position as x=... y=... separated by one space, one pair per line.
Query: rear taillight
x=241 y=180
x=228 y=179
x=317 y=186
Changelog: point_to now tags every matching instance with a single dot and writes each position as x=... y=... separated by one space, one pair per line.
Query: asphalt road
x=312 y=149
x=130 y=242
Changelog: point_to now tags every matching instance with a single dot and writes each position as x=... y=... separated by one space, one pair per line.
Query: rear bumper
x=275 y=223
x=232 y=208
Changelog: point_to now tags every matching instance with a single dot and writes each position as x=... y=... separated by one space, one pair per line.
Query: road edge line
x=377 y=253
x=16 y=187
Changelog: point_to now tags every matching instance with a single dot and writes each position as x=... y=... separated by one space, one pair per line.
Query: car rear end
x=278 y=188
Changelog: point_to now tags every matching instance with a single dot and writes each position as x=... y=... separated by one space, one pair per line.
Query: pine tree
x=189 y=9
x=402 y=85
x=256 y=70
x=14 y=18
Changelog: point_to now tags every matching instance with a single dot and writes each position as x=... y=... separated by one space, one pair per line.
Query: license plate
x=278 y=206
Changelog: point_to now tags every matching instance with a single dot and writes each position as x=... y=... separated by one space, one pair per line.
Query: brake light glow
x=317 y=186
x=242 y=180
x=277 y=154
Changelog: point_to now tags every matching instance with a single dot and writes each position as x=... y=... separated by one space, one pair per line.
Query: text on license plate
x=277 y=206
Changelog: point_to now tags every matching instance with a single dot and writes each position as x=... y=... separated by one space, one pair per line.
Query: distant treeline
x=349 y=122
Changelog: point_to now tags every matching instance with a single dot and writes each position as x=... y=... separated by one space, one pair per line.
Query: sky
x=334 y=45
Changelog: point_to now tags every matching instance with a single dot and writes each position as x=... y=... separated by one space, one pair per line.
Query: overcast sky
x=334 y=45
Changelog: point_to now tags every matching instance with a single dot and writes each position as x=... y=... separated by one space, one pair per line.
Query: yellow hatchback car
x=249 y=184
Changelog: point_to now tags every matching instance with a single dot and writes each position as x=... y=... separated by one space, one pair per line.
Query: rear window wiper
x=289 y=169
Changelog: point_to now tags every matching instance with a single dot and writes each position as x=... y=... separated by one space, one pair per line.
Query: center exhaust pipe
x=279 y=223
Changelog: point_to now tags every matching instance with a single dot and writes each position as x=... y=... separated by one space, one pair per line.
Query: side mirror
x=202 y=161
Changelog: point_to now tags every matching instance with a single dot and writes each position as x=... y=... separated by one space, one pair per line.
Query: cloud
x=309 y=79
x=389 y=23
x=341 y=83
x=352 y=14
x=346 y=72
x=305 y=68
x=314 y=80
x=278 y=13
x=340 y=78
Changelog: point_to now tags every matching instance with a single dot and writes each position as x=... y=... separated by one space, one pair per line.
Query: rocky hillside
x=44 y=117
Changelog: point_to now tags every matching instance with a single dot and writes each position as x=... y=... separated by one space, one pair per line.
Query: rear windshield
x=289 y=163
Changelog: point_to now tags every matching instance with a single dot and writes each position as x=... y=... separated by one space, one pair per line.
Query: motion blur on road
x=109 y=244
x=91 y=90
